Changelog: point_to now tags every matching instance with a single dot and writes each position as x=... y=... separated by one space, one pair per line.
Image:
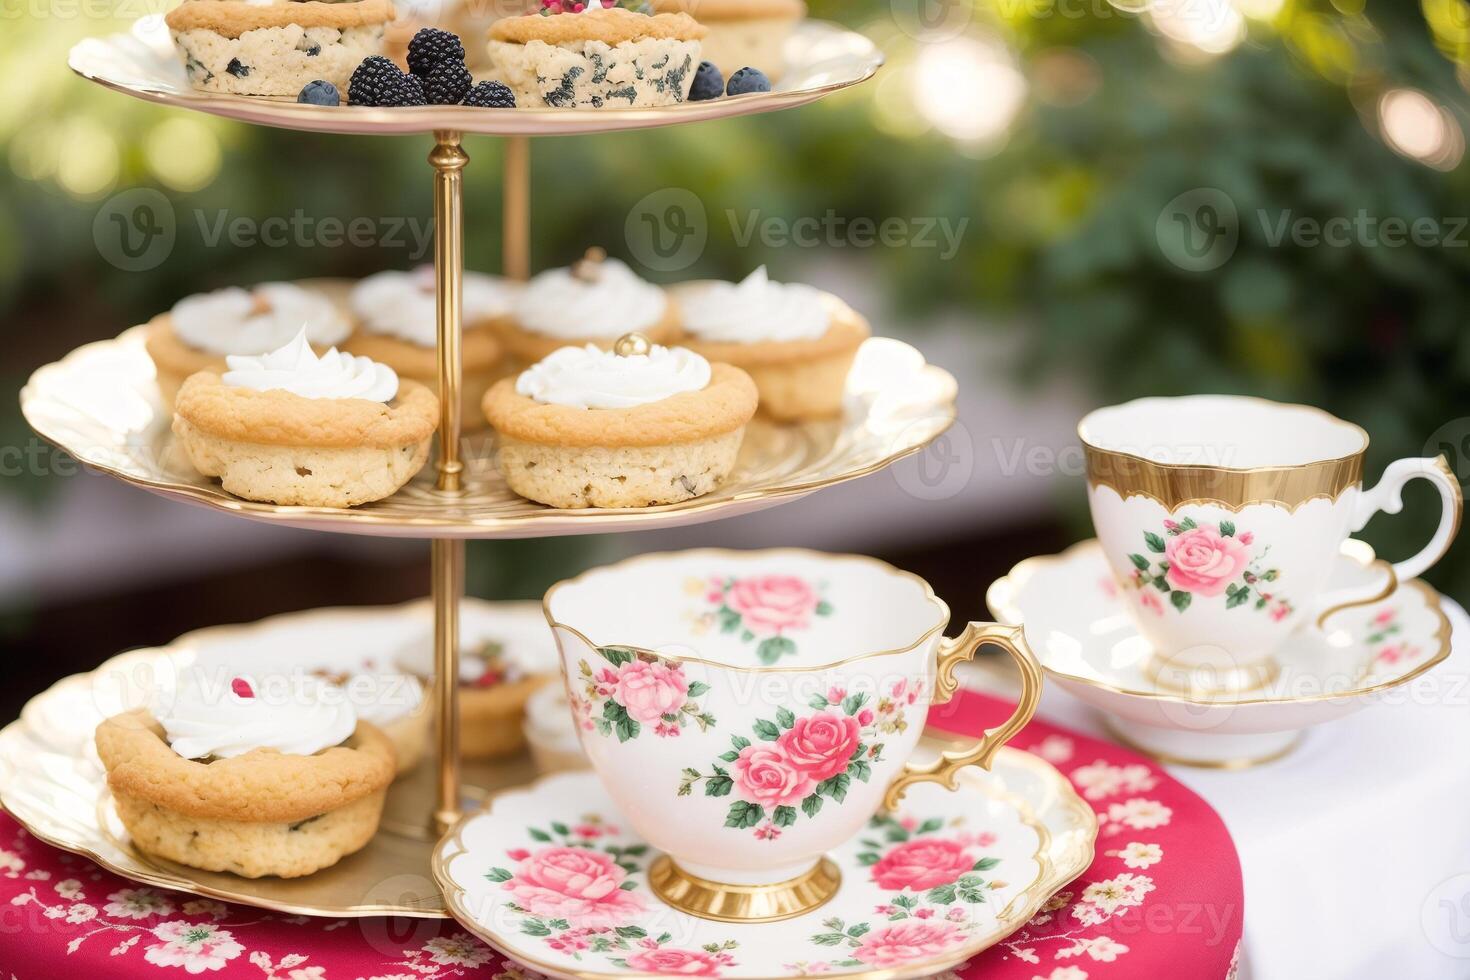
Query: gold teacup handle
x=945 y=770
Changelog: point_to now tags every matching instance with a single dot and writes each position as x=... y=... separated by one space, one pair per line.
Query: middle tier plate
x=101 y=404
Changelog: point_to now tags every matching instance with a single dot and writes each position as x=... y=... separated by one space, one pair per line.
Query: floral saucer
x=551 y=876
x=1078 y=626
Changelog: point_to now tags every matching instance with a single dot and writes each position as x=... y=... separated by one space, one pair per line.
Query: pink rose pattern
x=1209 y=560
x=578 y=893
x=636 y=690
x=799 y=763
x=764 y=609
x=937 y=873
x=1388 y=651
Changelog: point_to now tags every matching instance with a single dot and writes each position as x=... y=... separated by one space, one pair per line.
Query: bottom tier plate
x=52 y=782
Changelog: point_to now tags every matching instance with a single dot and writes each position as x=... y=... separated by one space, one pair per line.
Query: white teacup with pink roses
x=1222 y=516
x=747 y=711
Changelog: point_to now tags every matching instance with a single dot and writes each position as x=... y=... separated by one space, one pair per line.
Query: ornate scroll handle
x=952 y=652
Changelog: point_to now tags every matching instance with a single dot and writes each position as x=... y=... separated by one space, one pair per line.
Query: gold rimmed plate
x=52 y=782
x=1025 y=829
x=101 y=404
x=822 y=58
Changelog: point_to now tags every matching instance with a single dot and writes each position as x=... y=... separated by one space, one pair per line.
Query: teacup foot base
x=743 y=903
x=1203 y=750
x=1213 y=682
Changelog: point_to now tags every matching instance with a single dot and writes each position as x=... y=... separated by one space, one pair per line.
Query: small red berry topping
x=242 y=688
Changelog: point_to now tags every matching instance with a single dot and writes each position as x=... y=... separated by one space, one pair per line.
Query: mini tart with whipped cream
x=637 y=426
x=600 y=56
x=391 y=701
x=498 y=674
x=224 y=776
x=742 y=33
x=396 y=326
x=201 y=331
x=595 y=300
x=797 y=343
x=247 y=47
x=289 y=427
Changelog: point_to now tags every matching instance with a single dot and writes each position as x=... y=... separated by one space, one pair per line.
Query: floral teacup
x=748 y=711
x=1221 y=516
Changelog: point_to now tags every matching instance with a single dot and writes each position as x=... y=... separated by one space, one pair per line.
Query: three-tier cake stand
x=101 y=405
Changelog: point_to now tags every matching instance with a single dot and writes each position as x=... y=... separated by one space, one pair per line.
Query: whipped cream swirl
x=402 y=304
x=753 y=310
x=224 y=715
x=239 y=321
x=297 y=369
x=586 y=377
x=594 y=299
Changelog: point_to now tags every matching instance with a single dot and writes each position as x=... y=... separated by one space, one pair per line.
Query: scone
x=246 y=47
x=200 y=331
x=599 y=56
x=637 y=426
x=797 y=343
x=396 y=326
x=595 y=300
x=499 y=671
x=742 y=33
x=292 y=428
x=218 y=778
x=552 y=724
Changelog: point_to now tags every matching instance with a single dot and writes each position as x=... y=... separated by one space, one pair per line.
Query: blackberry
x=490 y=95
x=447 y=83
x=431 y=47
x=319 y=93
x=374 y=82
x=748 y=80
x=708 y=83
x=408 y=92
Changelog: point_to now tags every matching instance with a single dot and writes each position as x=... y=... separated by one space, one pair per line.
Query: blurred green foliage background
x=1062 y=129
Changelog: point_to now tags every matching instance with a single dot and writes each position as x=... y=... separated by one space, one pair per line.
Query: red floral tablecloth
x=1162 y=899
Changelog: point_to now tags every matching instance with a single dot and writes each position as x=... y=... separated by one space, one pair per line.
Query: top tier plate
x=102 y=405
x=822 y=58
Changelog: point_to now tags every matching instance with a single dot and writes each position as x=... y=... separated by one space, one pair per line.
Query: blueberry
x=320 y=93
x=237 y=69
x=748 y=80
x=708 y=83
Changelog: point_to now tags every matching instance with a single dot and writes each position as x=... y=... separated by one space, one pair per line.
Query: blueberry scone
x=241 y=47
x=596 y=57
x=636 y=426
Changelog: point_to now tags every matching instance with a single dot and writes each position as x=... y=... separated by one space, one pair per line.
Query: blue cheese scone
x=242 y=47
x=637 y=426
x=742 y=33
x=225 y=774
x=293 y=428
x=797 y=342
x=202 y=330
x=397 y=326
x=597 y=57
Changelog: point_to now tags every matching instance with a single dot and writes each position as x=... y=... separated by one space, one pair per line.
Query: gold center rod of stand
x=447 y=556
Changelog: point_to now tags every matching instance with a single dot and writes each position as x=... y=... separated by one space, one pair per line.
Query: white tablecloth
x=1356 y=847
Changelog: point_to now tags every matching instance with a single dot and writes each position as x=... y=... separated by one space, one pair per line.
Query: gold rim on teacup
x=764 y=901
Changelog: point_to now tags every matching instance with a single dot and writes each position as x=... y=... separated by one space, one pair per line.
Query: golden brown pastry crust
x=260 y=786
x=528 y=347
x=231 y=18
x=845 y=332
x=710 y=11
x=479 y=351
x=724 y=405
x=280 y=418
x=611 y=26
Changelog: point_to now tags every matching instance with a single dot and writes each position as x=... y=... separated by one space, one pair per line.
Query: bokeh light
x=87 y=161
x=970 y=89
x=1417 y=127
x=1198 y=28
x=183 y=152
